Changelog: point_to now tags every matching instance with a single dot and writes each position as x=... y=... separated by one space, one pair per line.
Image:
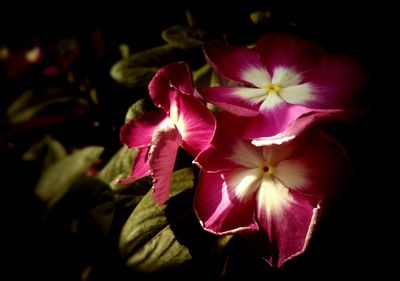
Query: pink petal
x=336 y=82
x=219 y=211
x=213 y=159
x=318 y=164
x=284 y=50
x=288 y=218
x=173 y=78
x=236 y=63
x=275 y=120
x=162 y=155
x=305 y=122
x=216 y=156
x=236 y=100
x=140 y=166
x=196 y=124
x=179 y=76
x=160 y=90
x=138 y=132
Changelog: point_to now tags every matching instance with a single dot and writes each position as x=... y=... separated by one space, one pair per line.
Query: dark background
x=357 y=233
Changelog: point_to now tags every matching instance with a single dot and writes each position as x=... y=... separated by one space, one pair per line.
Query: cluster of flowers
x=265 y=164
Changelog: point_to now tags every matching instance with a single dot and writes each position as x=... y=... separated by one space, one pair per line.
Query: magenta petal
x=214 y=160
x=318 y=165
x=305 y=122
x=289 y=226
x=274 y=121
x=196 y=124
x=284 y=50
x=236 y=63
x=162 y=155
x=179 y=76
x=140 y=167
x=218 y=211
x=138 y=132
x=160 y=90
x=336 y=82
x=225 y=98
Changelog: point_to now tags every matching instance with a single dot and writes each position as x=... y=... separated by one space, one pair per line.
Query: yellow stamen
x=273 y=88
x=266 y=169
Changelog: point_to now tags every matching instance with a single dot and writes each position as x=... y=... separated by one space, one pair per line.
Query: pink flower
x=280 y=80
x=182 y=120
x=277 y=189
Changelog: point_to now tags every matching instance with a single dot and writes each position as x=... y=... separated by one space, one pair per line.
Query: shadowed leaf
x=147 y=242
x=58 y=178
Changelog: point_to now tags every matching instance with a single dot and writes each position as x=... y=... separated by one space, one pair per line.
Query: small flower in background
x=280 y=80
x=182 y=120
x=278 y=188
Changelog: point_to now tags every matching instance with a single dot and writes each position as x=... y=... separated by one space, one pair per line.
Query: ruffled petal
x=236 y=100
x=195 y=123
x=138 y=132
x=279 y=50
x=140 y=166
x=287 y=217
x=162 y=155
x=237 y=63
x=219 y=211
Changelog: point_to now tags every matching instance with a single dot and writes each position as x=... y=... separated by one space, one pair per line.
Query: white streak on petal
x=259 y=77
x=271 y=101
x=285 y=77
x=292 y=173
x=298 y=94
x=273 y=197
x=252 y=95
x=244 y=182
x=247 y=155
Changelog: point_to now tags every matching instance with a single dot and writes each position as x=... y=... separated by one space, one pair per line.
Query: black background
x=357 y=235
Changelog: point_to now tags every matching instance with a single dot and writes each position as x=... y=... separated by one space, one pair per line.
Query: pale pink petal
x=219 y=211
x=195 y=123
x=138 y=132
x=162 y=155
x=283 y=50
x=288 y=218
x=140 y=166
x=236 y=100
x=237 y=63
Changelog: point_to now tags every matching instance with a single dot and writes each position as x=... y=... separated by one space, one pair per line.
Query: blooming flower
x=275 y=188
x=182 y=120
x=280 y=80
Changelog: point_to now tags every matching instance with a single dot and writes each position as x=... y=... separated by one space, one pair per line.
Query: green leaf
x=183 y=37
x=202 y=76
x=118 y=167
x=57 y=179
x=137 y=109
x=147 y=240
x=48 y=151
x=26 y=106
x=138 y=69
x=93 y=201
x=260 y=16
